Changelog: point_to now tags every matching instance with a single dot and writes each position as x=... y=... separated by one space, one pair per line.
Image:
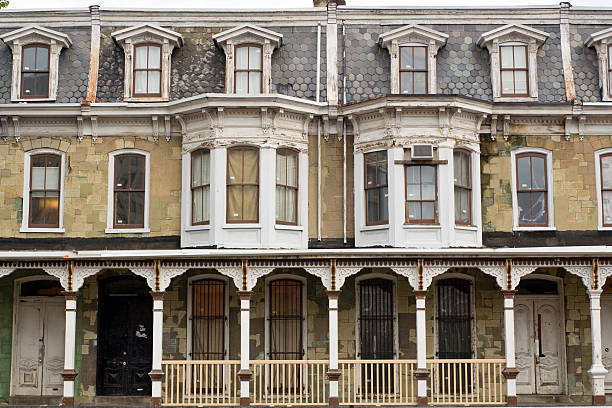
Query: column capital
x=508 y=294
x=245 y=375
x=420 y=294
x=594 y=293
x=333 y=294
x=70 y=295
x=157 y=295
x=156 y=375
x=421 y=373
x=245 y=294
x=333 y=374
x=510 y=373
x=68 y=375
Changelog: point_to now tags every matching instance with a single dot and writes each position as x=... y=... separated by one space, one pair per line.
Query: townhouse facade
x=324 y=206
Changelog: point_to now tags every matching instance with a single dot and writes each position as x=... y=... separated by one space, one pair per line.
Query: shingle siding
x=110 y=73
x=584 y=62
x=551 y=85
x=6 y=70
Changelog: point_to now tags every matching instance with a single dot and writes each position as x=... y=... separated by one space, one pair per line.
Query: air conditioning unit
x=422 y=151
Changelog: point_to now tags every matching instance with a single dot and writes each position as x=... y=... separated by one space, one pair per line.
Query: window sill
x=602 y=228
x=33 y=100
x=466 y=227
x=241 y=226
x=515 y=99
x=198 y=227
x=51 y=230
x=518 y=229
x=146 y=99
x=374 y=227
x=288 y=227
x=422 y=226
x=127 y=230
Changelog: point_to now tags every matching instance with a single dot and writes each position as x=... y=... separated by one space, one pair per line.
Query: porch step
x=545 y=400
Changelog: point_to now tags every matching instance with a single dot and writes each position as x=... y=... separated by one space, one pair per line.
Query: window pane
x=38 y=178
x=610 y=79
x=137 y=176
x=52 y=181
x=607 y=207
x=281 y=168
x=254 y=82
x=428 y=210
x=254 y=58
x=196 y=172
x=370 y=170
x=234 y=158
x=458 y=204
x=539 y=208
x=406 y=81
x=406 y=58
x=465 y=170
x=205 y=167
x=154 y=82
x=466 y=205
x=538 y=173
x=520 y=82
x=141 y=58
x=28 y=84
x=137 y=208
x=419 y=58
x=242 y=58
x=524 y=172
x=372 y=197
x=414 y=211
x=121 y=208
x=242 y=82
x=206 y=203
x=121 y=172
x=154 y=57
x=382 y=168
x=292 y=169
x=506 y=57
x=420 y=82
x=280 y=203
x=42 y=84
x=291 y=200
x=520 y=57
x=457 y=167
x=29 y=59
x=429 y=183
x=251 y=166
x=37 y=209
x=140 y=82
x=197 y=205
x=413 y=183
x=507 y=79
x=251 y=201
x=51 y=213
x=234 y=203
x=42 y=59
x=606 y=171
x=384 y=203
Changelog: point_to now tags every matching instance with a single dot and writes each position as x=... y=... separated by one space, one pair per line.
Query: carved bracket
x=493 y=127
x=167 y=128
x=16 y=128
x=155 y=127
x=506 y=128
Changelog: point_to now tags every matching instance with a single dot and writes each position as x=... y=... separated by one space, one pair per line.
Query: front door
x=125 y=343
x=606 y=338
x=539 y=345
x=39 y=339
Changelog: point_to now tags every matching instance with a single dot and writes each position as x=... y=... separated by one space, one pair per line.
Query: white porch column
x=333 y=373
x=510 y=372
x=157 y=373
x=245 y=372
x=69 y=373
x=421 y=373
x=598 y=371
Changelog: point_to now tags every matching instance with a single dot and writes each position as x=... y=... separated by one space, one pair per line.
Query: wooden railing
x=377 y=382
x=289 y=382
x=201 y=383
x=466 y=382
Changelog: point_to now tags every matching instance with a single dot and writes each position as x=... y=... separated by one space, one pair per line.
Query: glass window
x=376 y=188
x=147 y=70
x=208 y=320
x=45 y=174
x=248 y=70
x=200 y=187
x=606 y=188
x=286 y=186
x=463 y=187
x=532 y=189
x=610 y=71
x=129 y=191
x=421 y=194
x=413 y=70
x=242 y=184
x=513 y=68
x=35 y=72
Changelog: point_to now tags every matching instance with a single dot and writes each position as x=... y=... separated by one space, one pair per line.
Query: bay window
x=463 y=187
x=286 y=186
x=200 y=187
x=421 y=194
x=242 y=185
x=376 y=188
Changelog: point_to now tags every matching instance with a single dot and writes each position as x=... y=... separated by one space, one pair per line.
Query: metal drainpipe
x=344 y=134
x=319 y=179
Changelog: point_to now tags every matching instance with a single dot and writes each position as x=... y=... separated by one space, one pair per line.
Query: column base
x=599 y=400
x=334 y=402
x=156 y=401
x=156 y=375
x=68 y=375
x=67 y=401
x=245 y=401
x=511 y=401
x=510 y=373
x=421 y=401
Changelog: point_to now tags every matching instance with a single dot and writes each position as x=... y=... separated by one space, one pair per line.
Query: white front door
x=539 y=345
x=606 y=338
x=39 y=347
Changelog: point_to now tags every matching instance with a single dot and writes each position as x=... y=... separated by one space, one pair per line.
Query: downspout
x=566 y=51
x=344 y=134
x=318 y=133
x=94 y=56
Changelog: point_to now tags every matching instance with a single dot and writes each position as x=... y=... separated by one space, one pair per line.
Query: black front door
x=125 y=343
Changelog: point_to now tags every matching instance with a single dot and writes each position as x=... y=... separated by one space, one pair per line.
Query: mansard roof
x=25 y=32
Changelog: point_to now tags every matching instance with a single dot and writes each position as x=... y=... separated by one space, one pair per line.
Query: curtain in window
x=243 y=188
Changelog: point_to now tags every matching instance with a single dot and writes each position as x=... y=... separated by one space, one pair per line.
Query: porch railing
x=466 y=382
x=377 y=382
x=201 y=383
x=289 y=382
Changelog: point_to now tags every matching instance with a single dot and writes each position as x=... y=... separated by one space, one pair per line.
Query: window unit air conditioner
x=422 y=151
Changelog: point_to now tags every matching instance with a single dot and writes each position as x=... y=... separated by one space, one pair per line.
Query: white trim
x=549 y=183
x=598 y=154
x=289 y=227
x=26 y=191
x=198 y=227
x=304 y=282
x=367 y=276
x=375 y=227
x=190 y=281
x=242 y=226
x=111 y=205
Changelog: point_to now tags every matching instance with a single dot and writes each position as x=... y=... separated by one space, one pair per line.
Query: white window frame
x=25 y=36
x=111 y=203
x=25 y=222
x=549 y=183
x=190 y=281
x=601 y=41
x=598 y=154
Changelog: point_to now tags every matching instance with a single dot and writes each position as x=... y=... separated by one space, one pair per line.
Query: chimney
x=324 y=3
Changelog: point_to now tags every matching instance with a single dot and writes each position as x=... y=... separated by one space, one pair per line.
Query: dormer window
x=513 y=50
x=148 y=52
x=36 y=53
x=413 y=51
x=248 y=58
x=602 y=42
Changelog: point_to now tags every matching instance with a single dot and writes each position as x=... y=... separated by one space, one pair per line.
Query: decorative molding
x=601 y=40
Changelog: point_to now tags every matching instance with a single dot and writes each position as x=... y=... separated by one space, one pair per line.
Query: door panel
x=548 y=361
x=523 y=328
x=29 y=340
x=53 y=363
x=606 y=338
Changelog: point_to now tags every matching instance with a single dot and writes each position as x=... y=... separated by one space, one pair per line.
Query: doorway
x=125 y=344
x=538 y=324
x=38 y=339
